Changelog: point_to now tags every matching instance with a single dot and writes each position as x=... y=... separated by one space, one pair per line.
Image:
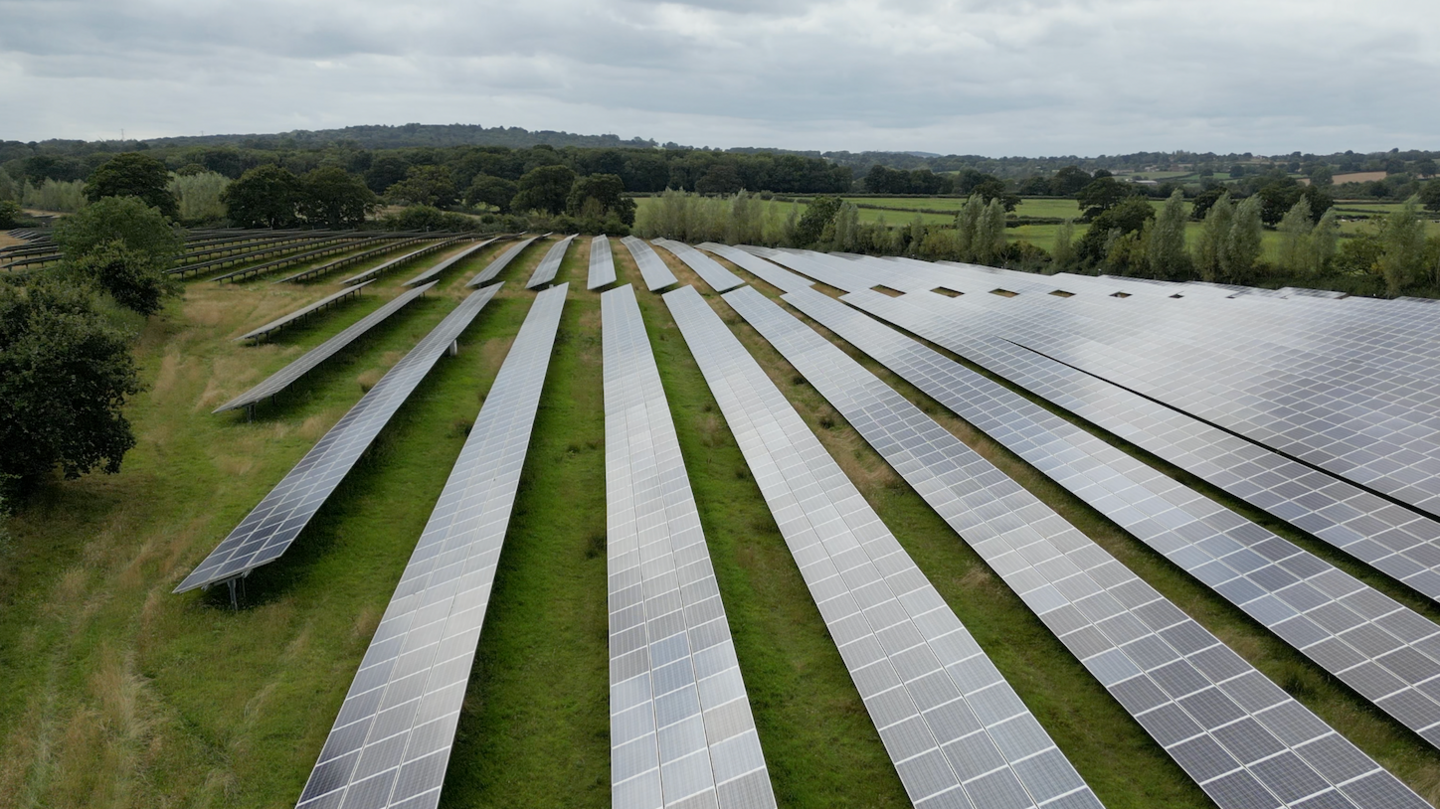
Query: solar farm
x=559 y=521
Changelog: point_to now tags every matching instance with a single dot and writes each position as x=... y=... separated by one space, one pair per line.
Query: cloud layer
x=967 y=76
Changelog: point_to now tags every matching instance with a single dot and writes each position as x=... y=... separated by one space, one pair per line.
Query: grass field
x=120 y=694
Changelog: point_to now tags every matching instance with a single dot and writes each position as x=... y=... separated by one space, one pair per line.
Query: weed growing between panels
x=820 y=746
x=535 y=730
x=1113 y=753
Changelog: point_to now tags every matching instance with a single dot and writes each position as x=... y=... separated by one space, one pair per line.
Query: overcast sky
x=996 y=77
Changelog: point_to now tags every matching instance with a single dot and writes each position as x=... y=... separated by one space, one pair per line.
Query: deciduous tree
x=1166 y=244
x=133 y=175
x=1242 y=248
x=332 y=198
x=65 y=375
x=264 y=197
x=1214 y=235
x=545 y=189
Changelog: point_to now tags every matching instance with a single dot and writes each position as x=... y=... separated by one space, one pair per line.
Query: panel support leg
x=454 y=347
x=234 y=603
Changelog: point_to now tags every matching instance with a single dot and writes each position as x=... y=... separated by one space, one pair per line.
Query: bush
x=425 y=217
x=65 y=375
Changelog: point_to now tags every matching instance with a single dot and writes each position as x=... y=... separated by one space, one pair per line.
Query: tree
x=812 y=223
x=65 y=374
x=1242 y=248
x=1068 y=181
x=607 y=192
x=385 y=172
x=1130 y=216
x=9 y=213
x=1214 y=235
x=1321 y=176
x=1425 y=167
x=493 y=191
x=1063 y=253
x=128 y=275
x=1430 y=195
x=990 y=234
x=722 y=178
x=967 y=222
x=423 y=185
x=8 y=188
x=1100 y=196
x=1403 y=235
x=545 y=189
x=140 y=228
x=1323 y=241
x=1201 y=206
x=199 y=195
x=993 y=188
x=133 y=175
x=264 y=197
x=1295 y=228
x=1166 y=244
x=332 y=198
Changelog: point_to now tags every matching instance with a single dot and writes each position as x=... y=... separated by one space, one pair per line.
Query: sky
x=991 y=77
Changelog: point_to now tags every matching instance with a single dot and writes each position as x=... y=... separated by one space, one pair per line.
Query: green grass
x=118 y=693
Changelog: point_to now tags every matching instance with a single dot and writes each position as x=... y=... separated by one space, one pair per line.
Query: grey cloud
x=1043 y=76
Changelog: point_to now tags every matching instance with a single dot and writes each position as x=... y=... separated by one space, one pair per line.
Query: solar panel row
x=390 y=745
x=488 y=274
x=709 y=270
x=272 y=525
x=769 y=273
x=1394 y=540
x=346 y=261
x=294 y=252
x=957 y=732
x=602 y=263
x=448 y=263
x=287 y=319
x=399 y=261
x=1239 y=736
x=1385 y=651
x=309 y=360
x=681 y=732
x=1348 y=386
x=550 y=265
x=652 y=269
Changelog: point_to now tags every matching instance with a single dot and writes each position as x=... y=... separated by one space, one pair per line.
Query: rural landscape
x=949 y=406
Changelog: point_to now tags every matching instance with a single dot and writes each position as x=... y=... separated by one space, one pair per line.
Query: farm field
x=119 y=693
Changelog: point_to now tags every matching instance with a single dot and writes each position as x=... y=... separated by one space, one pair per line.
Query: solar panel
x=1391 y=539
x=493 y=269
x=602 y=263
x=275 y=523
x=1380 y=648
x=1348 y=386
x=325 y=247
x=545 y=272
x=771 y=274
x=448 y=263
x=390 y=745
x=309 y=360
x=1239 y=736
x=346 y=261
x=709 y=270
x=681 y=731
x=955 y=729
x=287 y=319
x=381 y=269
x=652 y=269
